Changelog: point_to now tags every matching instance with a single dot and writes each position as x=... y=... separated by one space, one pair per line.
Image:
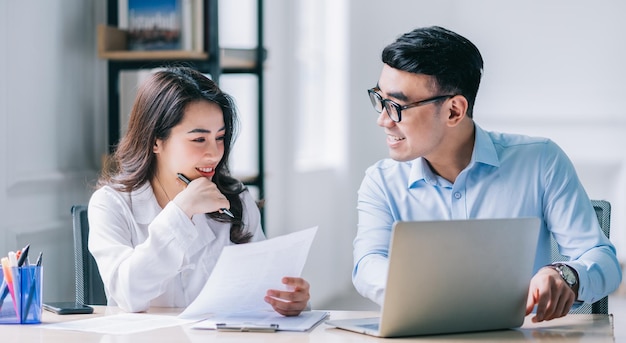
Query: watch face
x=567 y=274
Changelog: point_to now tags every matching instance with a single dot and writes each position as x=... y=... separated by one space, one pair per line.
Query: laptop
x=454 y=276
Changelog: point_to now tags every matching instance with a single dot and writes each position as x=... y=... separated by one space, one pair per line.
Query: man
x=444 y=166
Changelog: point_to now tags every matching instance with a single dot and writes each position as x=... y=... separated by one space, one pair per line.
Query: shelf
x=239 y=58
x=112 y=46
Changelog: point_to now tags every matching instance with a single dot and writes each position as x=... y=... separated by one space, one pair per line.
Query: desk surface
x=574 y=328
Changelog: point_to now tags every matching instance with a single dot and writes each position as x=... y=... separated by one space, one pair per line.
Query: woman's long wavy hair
x=160 y=106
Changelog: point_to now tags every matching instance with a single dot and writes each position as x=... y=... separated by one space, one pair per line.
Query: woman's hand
x=293 y=301
x=201 y=196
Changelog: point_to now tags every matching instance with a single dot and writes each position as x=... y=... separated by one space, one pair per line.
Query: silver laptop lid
x=458 y=275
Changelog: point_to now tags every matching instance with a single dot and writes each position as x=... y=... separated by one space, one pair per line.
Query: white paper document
x=120 y=324
x=305 y=321
x=244 y=273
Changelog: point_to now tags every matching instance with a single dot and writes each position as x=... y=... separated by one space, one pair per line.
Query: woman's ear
x=157 y=146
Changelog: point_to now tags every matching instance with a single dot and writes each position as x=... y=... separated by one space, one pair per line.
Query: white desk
x=572 y=328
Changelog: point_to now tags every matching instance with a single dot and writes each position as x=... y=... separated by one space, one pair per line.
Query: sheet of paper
x=119 y=324
x=244 y=273
x=304 y=322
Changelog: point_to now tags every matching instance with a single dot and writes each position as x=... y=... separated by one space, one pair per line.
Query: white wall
x=552 y=69
x=51 y=128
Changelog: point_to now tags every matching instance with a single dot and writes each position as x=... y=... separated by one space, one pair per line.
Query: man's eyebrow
x=200 y=130
x=397 y=95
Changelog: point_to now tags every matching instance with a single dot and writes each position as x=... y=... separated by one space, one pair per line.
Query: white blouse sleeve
x=134 y=274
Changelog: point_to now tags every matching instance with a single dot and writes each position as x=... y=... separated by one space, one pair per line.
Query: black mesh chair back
x=89 y=286
x=603 y=212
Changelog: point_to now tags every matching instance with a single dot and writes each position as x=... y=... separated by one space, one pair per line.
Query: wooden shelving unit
x=112 y=46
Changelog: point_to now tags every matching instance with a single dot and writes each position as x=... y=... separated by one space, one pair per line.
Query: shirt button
x=457 y=195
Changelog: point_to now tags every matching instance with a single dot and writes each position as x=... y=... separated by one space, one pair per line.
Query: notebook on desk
x=454 y=276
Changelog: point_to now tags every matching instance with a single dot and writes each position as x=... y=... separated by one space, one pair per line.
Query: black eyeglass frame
x=374 y=96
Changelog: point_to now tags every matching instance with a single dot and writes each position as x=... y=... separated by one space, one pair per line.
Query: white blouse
x=150 y=256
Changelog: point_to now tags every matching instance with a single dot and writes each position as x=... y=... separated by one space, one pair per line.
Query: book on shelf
x=197 y=9
x=163 y=24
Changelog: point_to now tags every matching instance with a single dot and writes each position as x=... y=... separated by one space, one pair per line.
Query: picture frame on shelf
x=155 y=24
x=162 y=24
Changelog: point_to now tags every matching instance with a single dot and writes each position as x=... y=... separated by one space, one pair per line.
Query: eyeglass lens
x=378 y=103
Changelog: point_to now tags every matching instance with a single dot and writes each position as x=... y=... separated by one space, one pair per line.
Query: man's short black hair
x=451 y=59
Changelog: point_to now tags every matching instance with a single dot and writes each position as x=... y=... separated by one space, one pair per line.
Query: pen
x=38 y=264
x=4 y=292
x=5 y=289
x=184 y=179
x=32 y=292
x=8 y=277
x=23 y=254
x=12 y=259
x=15 y=276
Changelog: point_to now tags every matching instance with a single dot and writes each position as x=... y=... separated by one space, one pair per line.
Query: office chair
x=603 y=212
x=89 y=285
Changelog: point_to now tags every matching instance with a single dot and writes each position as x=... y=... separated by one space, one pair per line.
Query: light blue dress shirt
x=508 y=176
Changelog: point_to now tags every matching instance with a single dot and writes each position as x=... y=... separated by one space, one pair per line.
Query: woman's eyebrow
x=199 y=130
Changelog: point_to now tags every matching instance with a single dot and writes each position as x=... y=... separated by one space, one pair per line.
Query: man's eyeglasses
x=394 y=111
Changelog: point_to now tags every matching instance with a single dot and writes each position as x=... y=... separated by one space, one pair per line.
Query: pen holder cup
x=21 y=301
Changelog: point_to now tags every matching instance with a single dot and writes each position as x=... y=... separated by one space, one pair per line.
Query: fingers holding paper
x=290 y=302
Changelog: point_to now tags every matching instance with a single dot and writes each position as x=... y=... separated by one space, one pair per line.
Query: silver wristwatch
x=569 y=275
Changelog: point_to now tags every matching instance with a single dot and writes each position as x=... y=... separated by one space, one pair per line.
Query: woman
x=155 y=238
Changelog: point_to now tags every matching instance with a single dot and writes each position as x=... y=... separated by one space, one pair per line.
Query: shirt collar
x=420 y=171
x=484 y=149
x=484 y=152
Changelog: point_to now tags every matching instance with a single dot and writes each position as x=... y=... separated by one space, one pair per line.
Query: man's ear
x=458 y=109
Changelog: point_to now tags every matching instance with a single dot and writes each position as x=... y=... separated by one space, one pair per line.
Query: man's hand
x=290 y=303
x=551 y=294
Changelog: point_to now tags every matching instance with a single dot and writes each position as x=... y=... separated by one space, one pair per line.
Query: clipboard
x=246 y=327
x=262 y=321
